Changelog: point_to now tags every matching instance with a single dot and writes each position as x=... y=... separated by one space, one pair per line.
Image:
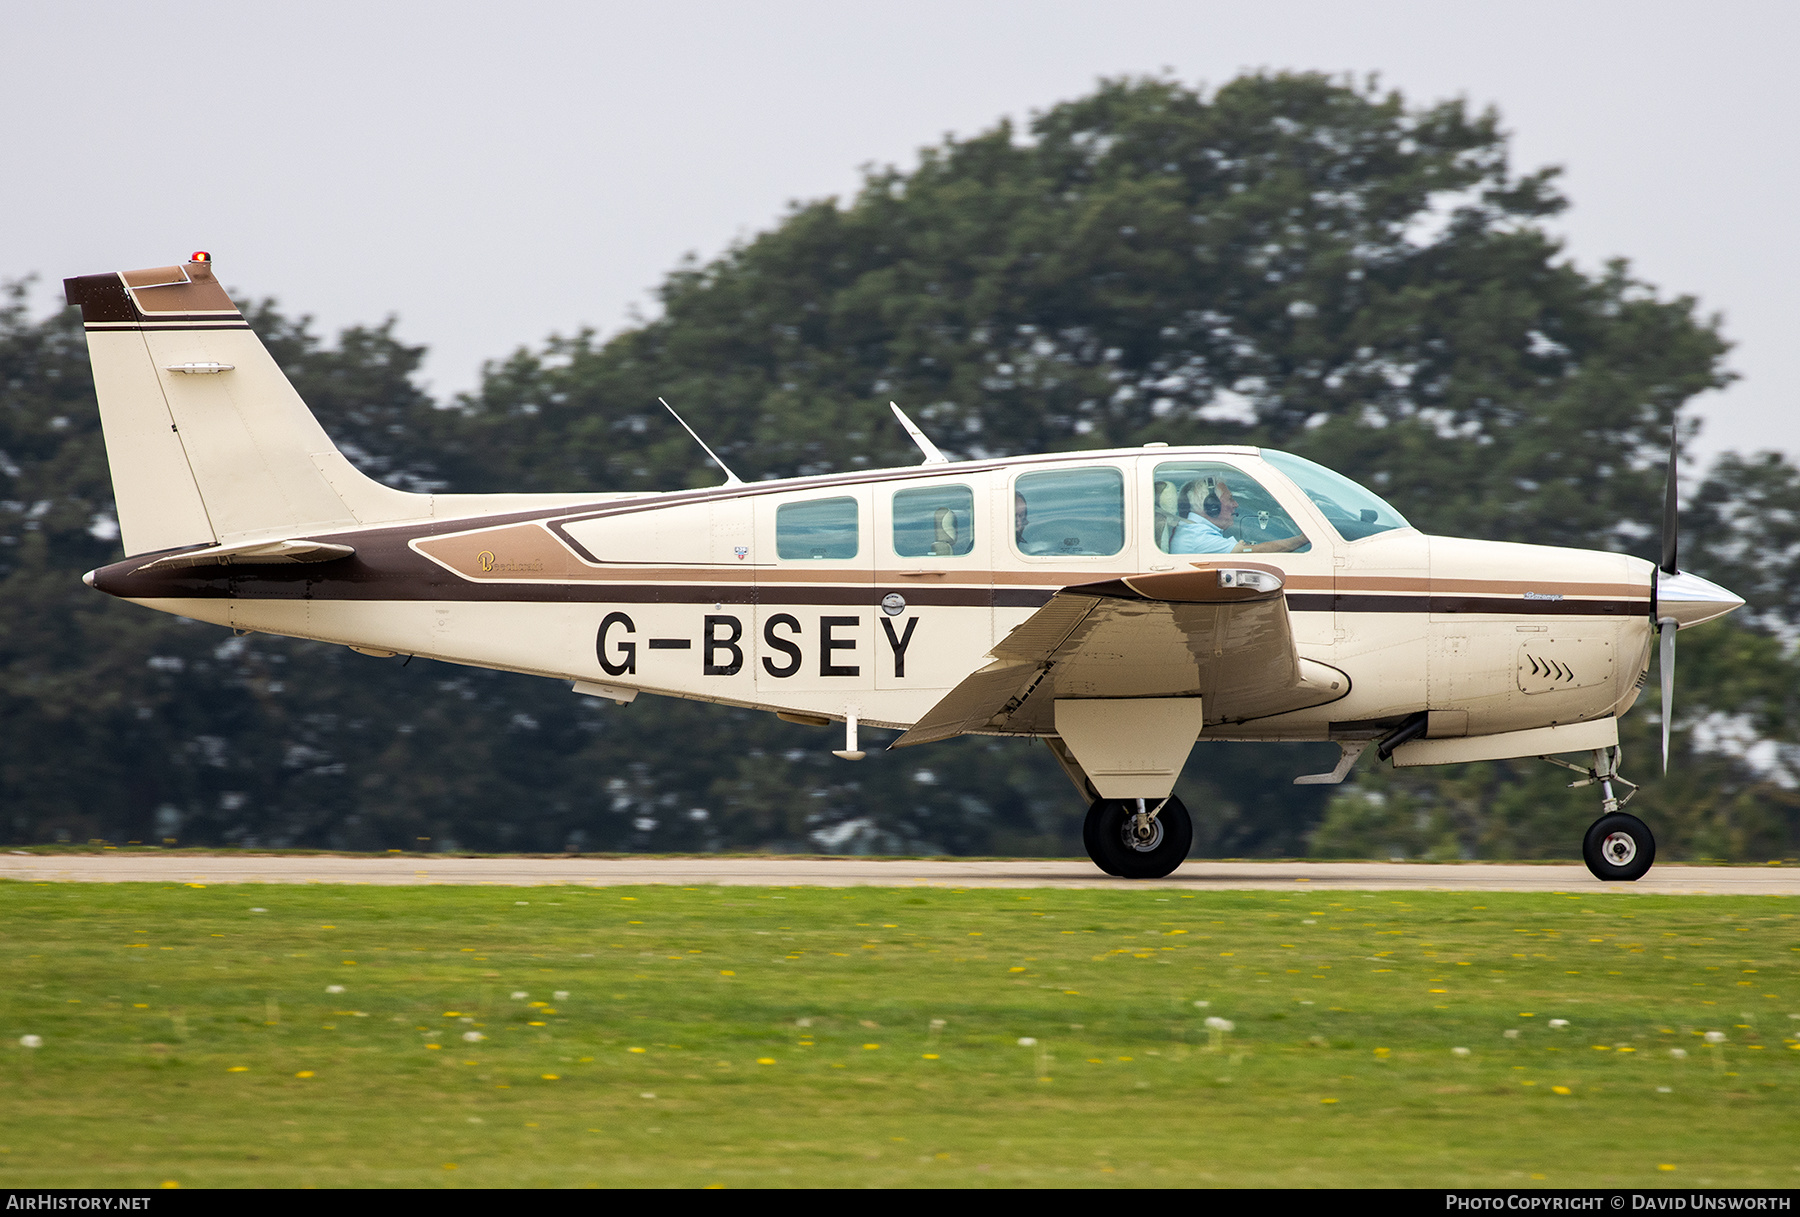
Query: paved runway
x=520 y=871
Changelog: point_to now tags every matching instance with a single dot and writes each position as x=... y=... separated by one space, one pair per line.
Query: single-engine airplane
x=1118 y=605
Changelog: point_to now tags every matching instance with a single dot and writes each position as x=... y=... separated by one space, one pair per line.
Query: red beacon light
x=200 y=255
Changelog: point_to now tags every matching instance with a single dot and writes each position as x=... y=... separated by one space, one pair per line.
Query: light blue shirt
x=1198 y=535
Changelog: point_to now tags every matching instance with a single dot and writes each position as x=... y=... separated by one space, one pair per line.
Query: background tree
x=1292 y=260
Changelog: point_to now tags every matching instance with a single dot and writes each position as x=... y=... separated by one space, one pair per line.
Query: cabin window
x=1353 y=511
x=1070 y=511
x=934 y=522
x=1204 y=507
x=822 y=528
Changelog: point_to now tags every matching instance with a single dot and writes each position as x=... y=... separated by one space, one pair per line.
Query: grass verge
x=565 y=1036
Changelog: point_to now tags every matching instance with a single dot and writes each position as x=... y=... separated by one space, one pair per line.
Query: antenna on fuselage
x=932 y=455
x=731 y=479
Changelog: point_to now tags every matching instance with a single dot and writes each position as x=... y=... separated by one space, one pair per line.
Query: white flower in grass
x=1679 y=1054
x=473 y=1037
x=1201 y=1005
x=1460 y=1051
x=1215 y=1023
x=561 y=995
x=1715 y=1037
x=1512 y=1033
x=1026 y=1041
x=1559 y=1022
x=334 y=988
x=31 y=1041
x=520 y=995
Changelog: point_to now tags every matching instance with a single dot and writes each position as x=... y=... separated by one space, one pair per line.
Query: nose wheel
x=1618 y=848
x=1137 y=838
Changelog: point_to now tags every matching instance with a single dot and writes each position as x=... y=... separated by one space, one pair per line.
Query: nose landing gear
x=1618 y=848
x=1137 y=838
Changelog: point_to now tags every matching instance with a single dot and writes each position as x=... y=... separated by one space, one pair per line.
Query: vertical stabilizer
x=207 y=441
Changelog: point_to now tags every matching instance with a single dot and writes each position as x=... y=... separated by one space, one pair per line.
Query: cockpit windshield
x=1353 y=511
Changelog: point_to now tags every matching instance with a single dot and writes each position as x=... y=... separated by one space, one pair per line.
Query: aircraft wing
x=1219 y=632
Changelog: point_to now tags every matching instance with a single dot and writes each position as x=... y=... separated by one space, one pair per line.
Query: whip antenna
x=731 y=479
x=932 y=455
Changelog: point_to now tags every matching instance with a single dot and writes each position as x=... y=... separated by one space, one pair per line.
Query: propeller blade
x=1669 y=512
x=1667 y=627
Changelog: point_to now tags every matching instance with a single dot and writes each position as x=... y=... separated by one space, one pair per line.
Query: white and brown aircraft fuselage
x=1120 y=604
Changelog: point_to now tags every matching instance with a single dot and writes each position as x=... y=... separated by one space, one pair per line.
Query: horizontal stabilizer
x=253 y=553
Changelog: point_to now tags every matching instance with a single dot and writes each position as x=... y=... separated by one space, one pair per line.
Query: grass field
x=811 y=1036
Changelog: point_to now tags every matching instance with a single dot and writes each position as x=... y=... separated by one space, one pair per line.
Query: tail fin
x=207 y=440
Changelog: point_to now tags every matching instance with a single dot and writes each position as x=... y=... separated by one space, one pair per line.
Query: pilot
x=1208 y=512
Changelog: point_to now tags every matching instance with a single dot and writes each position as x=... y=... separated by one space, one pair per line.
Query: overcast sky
x=492 y=173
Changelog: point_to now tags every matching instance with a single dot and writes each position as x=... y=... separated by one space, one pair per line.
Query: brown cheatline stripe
x=123 y=327
x=175 y=318
x=1518 y=587
x=767 y=575
x=1497 y=606
x=264 y=588
x=868 y=595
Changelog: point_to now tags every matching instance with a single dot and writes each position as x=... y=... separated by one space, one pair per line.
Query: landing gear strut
x=1618 y=848
x=1137 y=838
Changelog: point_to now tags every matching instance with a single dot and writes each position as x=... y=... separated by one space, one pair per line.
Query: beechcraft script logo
x=488 y=563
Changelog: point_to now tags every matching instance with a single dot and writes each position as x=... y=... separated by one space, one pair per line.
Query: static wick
x=731 y=479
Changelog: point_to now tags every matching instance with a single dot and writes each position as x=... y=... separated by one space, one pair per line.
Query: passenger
x=1021 y=520
x=1208 y=513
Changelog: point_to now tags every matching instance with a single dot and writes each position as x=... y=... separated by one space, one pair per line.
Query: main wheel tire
x=1090 y=830
x=1618 y=848
x=1118 y=849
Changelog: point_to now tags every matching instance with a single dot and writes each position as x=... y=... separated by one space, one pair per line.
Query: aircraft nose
x=1689 y=599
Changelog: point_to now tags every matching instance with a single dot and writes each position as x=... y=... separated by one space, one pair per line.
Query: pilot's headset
x=1210 y=504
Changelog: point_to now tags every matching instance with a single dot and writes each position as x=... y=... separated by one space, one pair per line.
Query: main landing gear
x=1138 y=838
x=1617 y=848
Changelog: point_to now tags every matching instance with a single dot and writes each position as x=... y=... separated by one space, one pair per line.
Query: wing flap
x=972 y=704
x=1208 y=633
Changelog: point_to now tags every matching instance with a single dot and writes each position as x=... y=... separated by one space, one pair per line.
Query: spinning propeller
x=1681 y=599
x=1667 y=626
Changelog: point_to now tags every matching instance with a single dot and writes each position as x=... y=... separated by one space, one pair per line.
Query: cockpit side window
x=1204 y=507
x=1352 y=510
